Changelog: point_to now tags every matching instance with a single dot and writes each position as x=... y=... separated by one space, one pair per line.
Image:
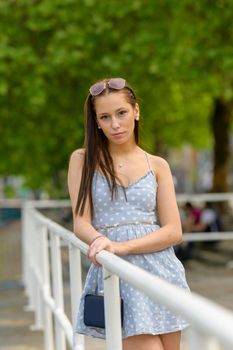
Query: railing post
x=75 y=291
x=46 y=290
x=25 y=223
x=32 y=271
x=212 y=325
x=38 y=275
x=112 y=311
x=57 y=283
x=27 y=256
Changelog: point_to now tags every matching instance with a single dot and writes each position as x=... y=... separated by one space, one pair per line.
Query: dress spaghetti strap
x=148 y=161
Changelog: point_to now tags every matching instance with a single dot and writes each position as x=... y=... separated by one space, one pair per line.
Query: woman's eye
x=103 y=117
x=123 y=112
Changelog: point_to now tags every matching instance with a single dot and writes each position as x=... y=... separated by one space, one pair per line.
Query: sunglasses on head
x=114 y=83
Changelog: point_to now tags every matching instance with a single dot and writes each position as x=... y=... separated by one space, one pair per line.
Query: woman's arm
x=82 y=224
x=170 y=232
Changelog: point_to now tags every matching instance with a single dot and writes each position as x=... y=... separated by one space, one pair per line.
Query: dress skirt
x=141 y=314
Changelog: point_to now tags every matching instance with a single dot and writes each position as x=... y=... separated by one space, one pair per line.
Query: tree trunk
x=220 y=123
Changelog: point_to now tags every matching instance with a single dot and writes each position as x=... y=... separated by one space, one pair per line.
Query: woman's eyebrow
x=100 y=114
x=106 y=113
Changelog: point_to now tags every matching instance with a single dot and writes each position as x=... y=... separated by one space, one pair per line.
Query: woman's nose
x=115 y=123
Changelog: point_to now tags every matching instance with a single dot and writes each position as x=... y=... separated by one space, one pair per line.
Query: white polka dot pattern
x=141 y=314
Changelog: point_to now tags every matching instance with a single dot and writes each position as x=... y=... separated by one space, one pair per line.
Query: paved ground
x=15 y=323
x=210 y=274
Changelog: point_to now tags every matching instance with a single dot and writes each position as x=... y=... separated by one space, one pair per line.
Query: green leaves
x=177 y=55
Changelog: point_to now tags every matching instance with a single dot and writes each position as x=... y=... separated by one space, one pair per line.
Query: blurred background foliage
x=177 y=55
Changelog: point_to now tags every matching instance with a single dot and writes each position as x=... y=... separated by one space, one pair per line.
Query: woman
x=116 y=189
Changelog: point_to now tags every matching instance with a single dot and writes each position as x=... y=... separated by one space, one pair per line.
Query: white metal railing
x=11 y=203
x=211 y=324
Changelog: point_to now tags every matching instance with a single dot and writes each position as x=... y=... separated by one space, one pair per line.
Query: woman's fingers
x=96 y=247
x=91 y=256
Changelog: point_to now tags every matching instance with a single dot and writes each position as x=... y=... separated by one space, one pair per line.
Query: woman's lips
x=118 y=134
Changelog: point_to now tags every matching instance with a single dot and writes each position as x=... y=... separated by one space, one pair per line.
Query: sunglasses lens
x=97 y=88
x=116 y=83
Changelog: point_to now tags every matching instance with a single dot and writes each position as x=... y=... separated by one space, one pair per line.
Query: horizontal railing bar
x=203 y=310
x=202 y=197
x=48 y=203
x=173 y=297
x=206 y=316
x=61 y=231
x=11 y=203
x=187 y=237
x=207 y=236
x=40 y=204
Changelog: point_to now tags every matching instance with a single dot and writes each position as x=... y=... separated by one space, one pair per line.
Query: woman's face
x=116 y=117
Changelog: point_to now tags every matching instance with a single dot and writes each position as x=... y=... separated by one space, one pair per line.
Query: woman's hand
x=100 y=243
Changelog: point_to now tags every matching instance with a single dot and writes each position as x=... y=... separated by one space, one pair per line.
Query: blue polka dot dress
x=122 y=220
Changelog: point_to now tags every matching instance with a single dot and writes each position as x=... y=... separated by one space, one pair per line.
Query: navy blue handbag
x=94 y=311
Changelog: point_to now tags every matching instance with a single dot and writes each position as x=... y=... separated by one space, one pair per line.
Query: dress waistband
x=126 y=224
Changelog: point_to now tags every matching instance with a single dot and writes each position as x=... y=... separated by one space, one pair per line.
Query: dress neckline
x=133 y=182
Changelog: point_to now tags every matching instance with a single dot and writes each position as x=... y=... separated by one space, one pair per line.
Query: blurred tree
x=203 y=36
x=178 y=55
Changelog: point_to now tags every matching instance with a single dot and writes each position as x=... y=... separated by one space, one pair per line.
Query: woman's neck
x=123 y=150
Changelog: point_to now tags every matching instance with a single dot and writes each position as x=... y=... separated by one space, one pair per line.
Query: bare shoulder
x=76 y=162
x=75 y=172
x=159 y=164
x=163 y=174
x=77 y=154
x=77 y=157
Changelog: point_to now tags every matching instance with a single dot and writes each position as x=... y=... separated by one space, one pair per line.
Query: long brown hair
x=97 y=154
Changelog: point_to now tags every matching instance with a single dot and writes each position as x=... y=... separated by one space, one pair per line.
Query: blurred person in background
x=196 y=219
x=210 y=221
x=191 y=216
